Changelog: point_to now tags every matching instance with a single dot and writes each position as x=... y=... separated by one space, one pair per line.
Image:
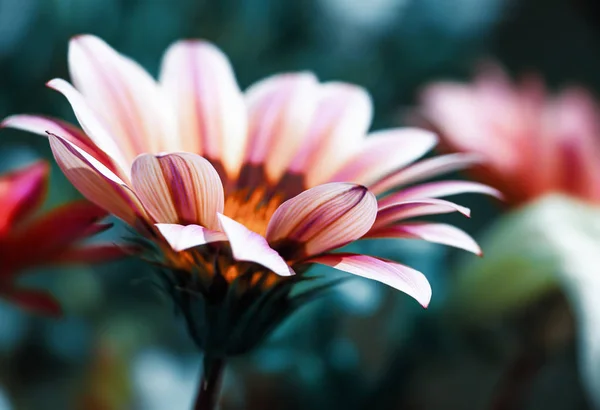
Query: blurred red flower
x=28 y=241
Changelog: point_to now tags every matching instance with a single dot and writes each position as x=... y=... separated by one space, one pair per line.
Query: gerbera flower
x=28 y=241
x=242 y=189
x=533 y=144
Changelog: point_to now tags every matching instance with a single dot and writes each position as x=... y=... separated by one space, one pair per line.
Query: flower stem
x=210 y=384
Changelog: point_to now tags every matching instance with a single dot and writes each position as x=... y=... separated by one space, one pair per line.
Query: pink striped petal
x=182 y=237
x=396 y=275
x=439 y=189
x=96 y=182
x=343 y=116
x=281 y=110
x=43 y=125
x=384 y=152
x=426 y=169
x=180 y=188
x=200 y=84
x=93 y=126
x=411 y=209
x=249 y=246
x=432 y=232
x=124 y=95
x=323 y=218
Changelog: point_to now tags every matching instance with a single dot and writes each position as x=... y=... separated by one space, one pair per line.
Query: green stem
x=210 y=384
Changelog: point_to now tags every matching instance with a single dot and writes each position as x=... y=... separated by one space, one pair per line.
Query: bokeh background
x=364 y=346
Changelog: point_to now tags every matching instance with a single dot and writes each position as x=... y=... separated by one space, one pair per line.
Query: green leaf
x=554 y=242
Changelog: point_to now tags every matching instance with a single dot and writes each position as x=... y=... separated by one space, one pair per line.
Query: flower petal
x=43 y=125
x=180 y=188
x=93 y=126
x=96 y=182
x=96 y=253
x=426 y=169
x=184 y=237
x=384 y=152
x=35 y=301
x=66 y=225
x=249 y=246
x=323 y=218
x=396 y=275
x=439 y=189
x=341 y=121
x=281 y=110
x=199 y=83
x=124 y=95
x=411 y=209
x=432 y=232
x=21 y=192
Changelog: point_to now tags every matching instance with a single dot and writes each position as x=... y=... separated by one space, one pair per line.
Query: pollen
x=252 y=209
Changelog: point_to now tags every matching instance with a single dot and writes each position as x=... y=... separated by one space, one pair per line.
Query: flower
x=52 y=238
x=260 y=184
x=532 y=144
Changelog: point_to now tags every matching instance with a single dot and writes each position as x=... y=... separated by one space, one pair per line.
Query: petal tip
x=7 y=122
x=54 y=83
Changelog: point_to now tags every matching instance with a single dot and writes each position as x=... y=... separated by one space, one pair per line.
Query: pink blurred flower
x=283 y=171
x=28 y=241
x=532 y=143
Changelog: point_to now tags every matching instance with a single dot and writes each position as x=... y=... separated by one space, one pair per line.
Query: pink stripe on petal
x=200 y=84
x=96 y=182
x=384 y=152
x=249 y=246
x=184 y=237
x=44 y=125
x=195 y=187
x=323 y=218
x=343 y=116
x=181 y=188
x=396 y=275
x=439 y=189
x=93 y=126
x=150 y=186
x=432 y=232
x=281 y=110
x=122 y=93
x=411 y=209
x=426 y=169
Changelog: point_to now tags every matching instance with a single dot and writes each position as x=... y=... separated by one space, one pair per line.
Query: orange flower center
x=254 y=210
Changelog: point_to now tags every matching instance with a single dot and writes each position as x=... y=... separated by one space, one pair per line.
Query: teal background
x=364 y=346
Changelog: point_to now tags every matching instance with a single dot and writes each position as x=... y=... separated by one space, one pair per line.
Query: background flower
x=543 y=150
x=28 y=241
x=533 y=143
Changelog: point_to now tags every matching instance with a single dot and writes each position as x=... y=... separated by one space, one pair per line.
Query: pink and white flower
x=532 y=144
x=285 y=172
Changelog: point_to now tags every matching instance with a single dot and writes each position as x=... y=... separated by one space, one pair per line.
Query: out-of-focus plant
x=543 y=152
x=29 y=241
x=237 y=195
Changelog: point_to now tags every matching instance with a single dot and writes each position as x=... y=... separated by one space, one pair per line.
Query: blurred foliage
x=364 y=346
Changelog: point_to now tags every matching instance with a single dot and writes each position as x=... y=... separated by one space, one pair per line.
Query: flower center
x=253 y=209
